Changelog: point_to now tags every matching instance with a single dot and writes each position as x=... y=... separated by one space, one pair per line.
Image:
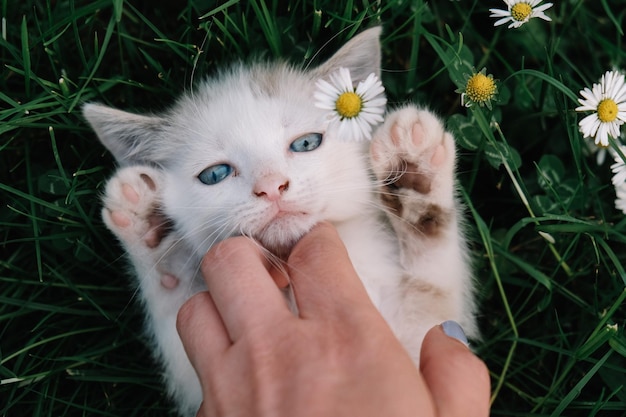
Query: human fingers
x=236 y=273
x=322 y=274
x=202 y=332
x=457 y=379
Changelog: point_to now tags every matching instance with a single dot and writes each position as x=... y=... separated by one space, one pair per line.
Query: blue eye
x=214 y=174
x=306 y=143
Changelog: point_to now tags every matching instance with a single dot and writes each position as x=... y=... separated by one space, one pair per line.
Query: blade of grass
x=26 y=57
x=268 y=25
x=102 y=48
x=484 y=233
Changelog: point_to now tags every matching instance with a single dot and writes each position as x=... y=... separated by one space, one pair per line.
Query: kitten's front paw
x=413 y=158
x=131 y=206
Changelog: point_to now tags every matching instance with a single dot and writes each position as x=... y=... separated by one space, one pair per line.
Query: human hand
x=338 y=357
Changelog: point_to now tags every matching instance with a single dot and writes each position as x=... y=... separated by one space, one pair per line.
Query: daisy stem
x=482 y=121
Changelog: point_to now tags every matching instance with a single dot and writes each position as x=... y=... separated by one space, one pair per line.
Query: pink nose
x=271 y=186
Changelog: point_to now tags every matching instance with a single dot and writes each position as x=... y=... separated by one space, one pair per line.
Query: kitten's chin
x=280 y=237
x=279 y=249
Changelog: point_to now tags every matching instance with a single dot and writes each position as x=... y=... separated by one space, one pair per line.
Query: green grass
x=552 y=312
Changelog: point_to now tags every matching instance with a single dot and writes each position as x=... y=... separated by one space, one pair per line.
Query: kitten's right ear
x=361 y=55
x=131 y=138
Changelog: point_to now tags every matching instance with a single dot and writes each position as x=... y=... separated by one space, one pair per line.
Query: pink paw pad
x=120 y=219
x=130 y=193
x=439 y=156
x=169 y=281
x=396 y=135
x=417 y=134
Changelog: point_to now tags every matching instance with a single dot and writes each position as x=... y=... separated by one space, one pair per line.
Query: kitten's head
x=246 y=152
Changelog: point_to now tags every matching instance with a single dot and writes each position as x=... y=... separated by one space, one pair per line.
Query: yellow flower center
x=349 y=104
x=607 y=110
x=480 y=88
x=521 y=11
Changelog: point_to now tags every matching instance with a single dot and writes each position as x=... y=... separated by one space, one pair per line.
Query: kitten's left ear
x=361 y=55
x=131 y=138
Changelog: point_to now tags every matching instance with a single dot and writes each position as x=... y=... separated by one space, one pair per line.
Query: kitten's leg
x=132 y=212
x=166 y=270
x=413 y=158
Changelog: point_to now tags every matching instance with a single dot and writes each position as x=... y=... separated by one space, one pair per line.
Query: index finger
x=244 y=293
x=322 y=275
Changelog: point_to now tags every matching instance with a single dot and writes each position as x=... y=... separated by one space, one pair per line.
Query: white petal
x=327 y=88
x=586 y=107
x=590 y=98
x=366 y=84
x=542 y=16
x=589 y=125
x=618 y=92
x=517 y=24
x=371 y=119
x=542 y=7
x=619 y=171
x=502 y=21
x=613 y=129
x=600 y=156
x=620 y=175
x=355 y=131
x=499 y=13
x=344 y=81
x=613 y=82
x=620 y=202
x=602 y=137
x=378 y=103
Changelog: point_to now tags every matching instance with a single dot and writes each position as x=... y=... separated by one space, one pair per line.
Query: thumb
x=458 y=380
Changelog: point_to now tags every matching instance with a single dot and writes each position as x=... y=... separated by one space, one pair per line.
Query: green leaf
x=52 y=182
x=497 y=152
x=578 y=388
x=539 y=276
x=118 y=8
x=618 y=344
x=595 y=341
x=219 y=9
x=458 y=61
x=550 y=172
x=545 y=204
x=465 y=133
x=550 y=80
x=26 y=56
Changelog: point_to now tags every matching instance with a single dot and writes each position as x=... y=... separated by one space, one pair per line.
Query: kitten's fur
x=413 y=261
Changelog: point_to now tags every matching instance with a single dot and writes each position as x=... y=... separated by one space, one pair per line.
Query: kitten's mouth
x=286 y=213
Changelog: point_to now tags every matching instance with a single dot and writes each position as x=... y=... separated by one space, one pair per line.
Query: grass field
x=546 y=236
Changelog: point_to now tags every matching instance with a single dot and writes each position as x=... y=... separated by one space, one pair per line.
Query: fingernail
x=454 y=330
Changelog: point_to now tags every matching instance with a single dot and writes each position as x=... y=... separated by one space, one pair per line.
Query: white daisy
x=608 y=100
x=520 y=12
x=619 y=178
x=619 y=167
x=620 y=201
x=352 y=111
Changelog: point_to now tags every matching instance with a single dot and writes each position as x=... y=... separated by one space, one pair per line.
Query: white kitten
x=223 y=161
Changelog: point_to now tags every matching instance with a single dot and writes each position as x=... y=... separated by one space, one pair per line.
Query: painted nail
x=454 y=330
